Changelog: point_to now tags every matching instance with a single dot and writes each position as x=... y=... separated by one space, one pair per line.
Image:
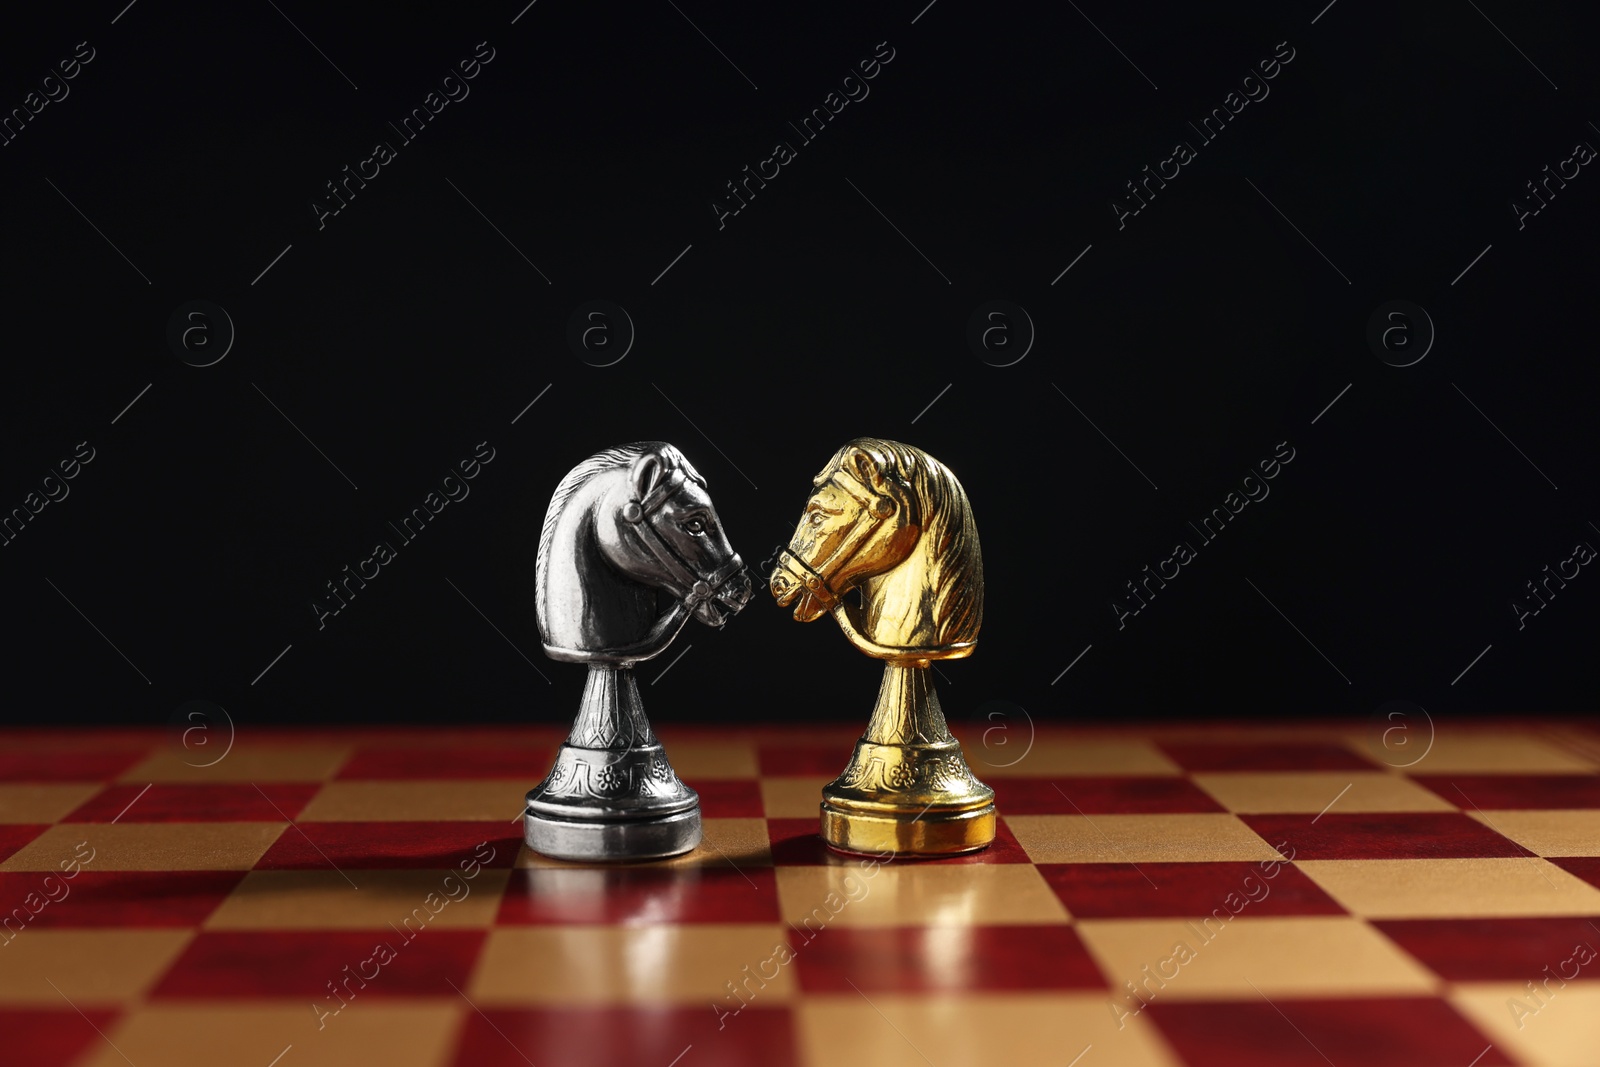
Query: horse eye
x=817 y=518
x=695 y=526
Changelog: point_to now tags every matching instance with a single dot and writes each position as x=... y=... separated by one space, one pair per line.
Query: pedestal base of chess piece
x=908 y=790
x=612 y=795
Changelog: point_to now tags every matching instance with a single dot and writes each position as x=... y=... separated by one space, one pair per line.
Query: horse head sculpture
x=891 y=521
x=628 y=528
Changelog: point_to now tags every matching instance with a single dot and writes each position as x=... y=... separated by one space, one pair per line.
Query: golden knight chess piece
x=889 y=547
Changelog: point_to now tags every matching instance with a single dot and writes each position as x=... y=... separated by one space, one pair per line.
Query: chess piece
x=627 y=528
x=891 y=523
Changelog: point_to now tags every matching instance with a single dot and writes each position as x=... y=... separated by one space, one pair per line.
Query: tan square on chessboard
x=1291 y=792
x=1563 y=1032
x=1548 y=833
x=1186 y=838
x=98 y=967
x=359 y=900
x=420 y=1032
x=1015 y=1029
x=1452 y=889
x=1309 y=956
x=1059 y=757
x=43 y=803
x=154 y=846
x=991 y=894
x=431 y=800
x=1469 y=751
x=698 y=758
x=246 y=761
x=792 y=797
x=736 y=842
x=666 y=964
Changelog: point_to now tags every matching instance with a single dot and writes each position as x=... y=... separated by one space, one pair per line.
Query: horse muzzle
x=715 y=603
x=793 y=582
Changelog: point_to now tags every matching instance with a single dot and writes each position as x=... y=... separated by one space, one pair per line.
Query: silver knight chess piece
x=631 y=549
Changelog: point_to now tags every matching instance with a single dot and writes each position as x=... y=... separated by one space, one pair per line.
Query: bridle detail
x=875 y=509
x=697 y=588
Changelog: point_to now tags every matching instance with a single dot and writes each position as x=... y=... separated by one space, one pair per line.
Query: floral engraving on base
x=610 y=779
x=635 y=776
x=556 y=779
x=945 y=772
x=930 y=773
x=858 y=775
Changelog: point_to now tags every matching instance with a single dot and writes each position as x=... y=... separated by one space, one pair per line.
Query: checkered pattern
x=1329 y=907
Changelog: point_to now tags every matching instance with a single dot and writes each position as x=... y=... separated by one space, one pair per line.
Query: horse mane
x=949 y=538
x=609 y=459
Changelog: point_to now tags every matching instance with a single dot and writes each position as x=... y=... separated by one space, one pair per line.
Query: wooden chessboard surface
x=1222 y=895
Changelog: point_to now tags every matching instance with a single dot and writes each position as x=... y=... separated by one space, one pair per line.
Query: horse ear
x=869 y=472
x=644 y=475
x=865 y=469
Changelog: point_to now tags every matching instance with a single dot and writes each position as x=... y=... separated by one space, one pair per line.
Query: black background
x=407 y=330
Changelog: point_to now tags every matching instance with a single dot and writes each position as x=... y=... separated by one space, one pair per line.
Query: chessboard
x=1196 y=895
